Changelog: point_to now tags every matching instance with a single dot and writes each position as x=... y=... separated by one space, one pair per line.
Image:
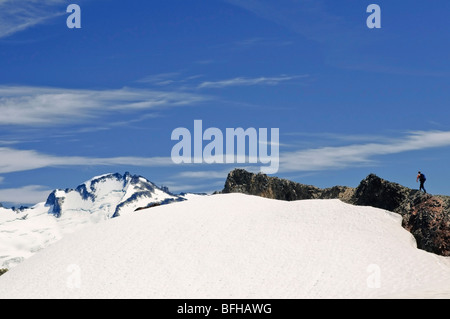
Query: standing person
x=421 y=177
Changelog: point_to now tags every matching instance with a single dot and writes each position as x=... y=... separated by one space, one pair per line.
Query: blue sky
x=348 y=100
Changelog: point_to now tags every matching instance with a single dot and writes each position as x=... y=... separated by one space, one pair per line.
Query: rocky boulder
x=377 y=192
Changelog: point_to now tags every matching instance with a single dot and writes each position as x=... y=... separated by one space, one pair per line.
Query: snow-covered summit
x=239 y=247
x=108 y=196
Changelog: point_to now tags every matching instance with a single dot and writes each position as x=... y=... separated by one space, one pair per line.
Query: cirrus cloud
x=37 y=106
x=19 y=15
x=243 y=81
x=325 y=158
x=338 y=157
x=14 y=160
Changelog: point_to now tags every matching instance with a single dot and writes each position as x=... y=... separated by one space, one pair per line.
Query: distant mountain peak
x=110 y=195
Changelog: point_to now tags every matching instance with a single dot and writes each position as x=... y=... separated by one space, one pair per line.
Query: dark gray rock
x=376 y=192
x=241 y=181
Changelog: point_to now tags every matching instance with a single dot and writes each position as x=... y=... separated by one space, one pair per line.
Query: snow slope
x=103 y=197
x=236 y=246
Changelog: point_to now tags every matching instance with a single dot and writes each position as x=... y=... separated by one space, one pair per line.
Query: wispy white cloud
x=243 y=81
x=192 y=83
x=203 y=174
x=30 y=194
x=160 y=79
x=14 y=160
x=360 y=154
x=171 y=79
x=19 y=15
x=26 y=105
x=316 y=159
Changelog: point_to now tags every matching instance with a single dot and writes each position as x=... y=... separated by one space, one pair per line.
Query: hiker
x=421 y=177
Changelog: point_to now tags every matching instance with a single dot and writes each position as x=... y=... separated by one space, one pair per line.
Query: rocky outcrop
x=377 y=192
x=241 y=181
x=427 y=217
x=429 y=222
x=55 y=203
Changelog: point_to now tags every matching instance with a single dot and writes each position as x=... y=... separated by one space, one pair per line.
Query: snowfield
x=236 y=246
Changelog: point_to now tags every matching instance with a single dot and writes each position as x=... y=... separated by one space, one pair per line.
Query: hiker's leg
x=422 y=187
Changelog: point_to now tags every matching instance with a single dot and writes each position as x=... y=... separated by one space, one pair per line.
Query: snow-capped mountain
x=26 y=231
x=108 y=196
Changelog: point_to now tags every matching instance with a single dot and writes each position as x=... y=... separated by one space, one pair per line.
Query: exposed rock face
x=429 y=222
x=376 y=192
x=241 y=181
x=426 y=217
